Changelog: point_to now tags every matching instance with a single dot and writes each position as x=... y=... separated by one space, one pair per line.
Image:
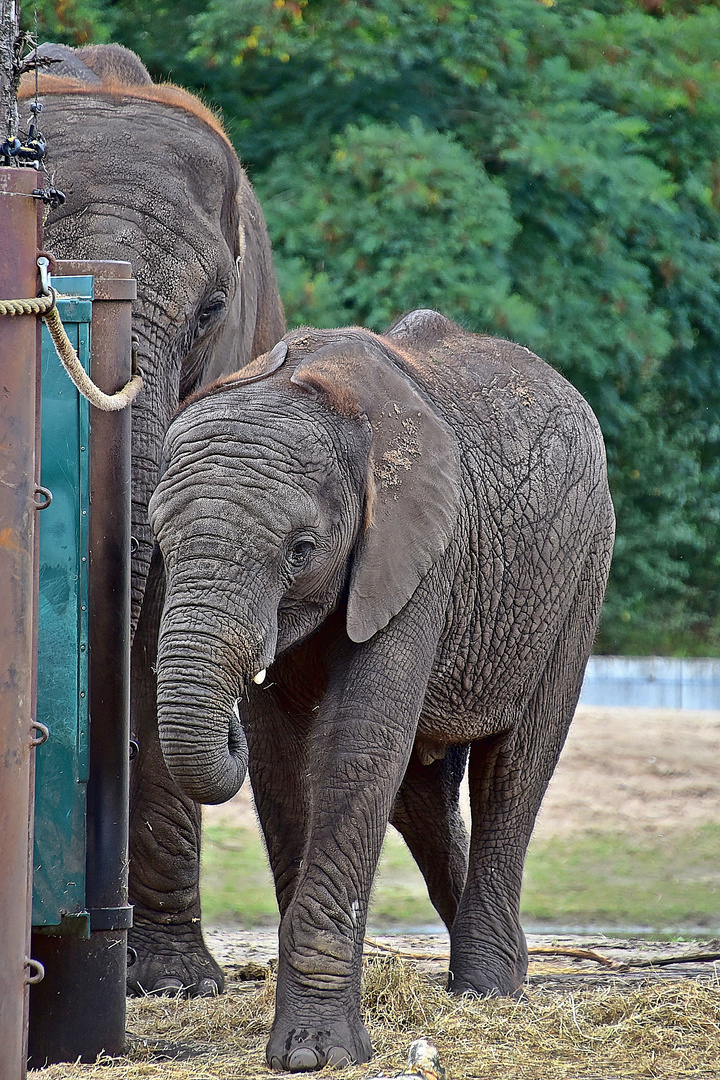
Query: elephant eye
x=208 y=314
x=300 y=551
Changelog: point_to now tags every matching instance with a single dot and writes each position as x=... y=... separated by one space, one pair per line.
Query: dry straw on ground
x=667 y=1029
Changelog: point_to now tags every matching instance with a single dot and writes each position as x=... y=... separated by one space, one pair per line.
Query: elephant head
x=332 y=484
x=150 y=177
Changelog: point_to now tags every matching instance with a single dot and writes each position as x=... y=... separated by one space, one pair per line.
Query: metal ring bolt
x=40 y=490
x=43 y=736
x=32 y=980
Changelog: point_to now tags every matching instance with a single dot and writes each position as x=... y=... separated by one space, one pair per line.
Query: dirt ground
x=631 y=962
x=621 y=769
x=627 y=1012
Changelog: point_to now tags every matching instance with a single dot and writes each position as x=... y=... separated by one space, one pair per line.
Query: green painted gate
x=80 y=911
x=62 y=762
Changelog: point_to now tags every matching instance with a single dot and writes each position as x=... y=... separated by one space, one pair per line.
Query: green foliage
x=158 y=31
x=547 y=170
x=391 y=220
x=69 y=22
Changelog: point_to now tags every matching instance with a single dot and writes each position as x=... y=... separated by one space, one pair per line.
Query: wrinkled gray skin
x=151 y=183
x=413 y=533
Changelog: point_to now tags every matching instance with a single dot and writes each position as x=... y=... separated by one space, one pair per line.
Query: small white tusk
x=236 y=710
x=260 y=677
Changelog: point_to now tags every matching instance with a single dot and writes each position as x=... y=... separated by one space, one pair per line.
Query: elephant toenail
x=169 y=987
x=339 y=1057
x=303 y=1060
x=207 y=988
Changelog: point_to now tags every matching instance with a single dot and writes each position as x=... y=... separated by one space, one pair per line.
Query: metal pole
x=108 y=786
x=20 y=229
x=80 y=1009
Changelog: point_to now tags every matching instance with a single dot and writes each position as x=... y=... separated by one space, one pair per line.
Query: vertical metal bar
x=19 y=402
x=107 y=834
x=80 y=1010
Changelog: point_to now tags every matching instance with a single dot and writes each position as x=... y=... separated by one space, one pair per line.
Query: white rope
x=38 y=306
x=88 y=389
x=45 y=306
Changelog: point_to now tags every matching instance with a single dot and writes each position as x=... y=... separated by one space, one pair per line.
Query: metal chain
x=36 y=43
x=18 y=148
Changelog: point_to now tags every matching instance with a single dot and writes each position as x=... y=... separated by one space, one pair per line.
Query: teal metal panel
x=62 y=762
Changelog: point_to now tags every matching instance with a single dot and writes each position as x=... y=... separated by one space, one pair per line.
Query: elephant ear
x=414 y=482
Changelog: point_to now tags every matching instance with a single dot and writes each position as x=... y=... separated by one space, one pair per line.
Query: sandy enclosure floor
x=620 y=770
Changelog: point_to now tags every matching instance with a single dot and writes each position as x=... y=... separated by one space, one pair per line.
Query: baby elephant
x=412 y=532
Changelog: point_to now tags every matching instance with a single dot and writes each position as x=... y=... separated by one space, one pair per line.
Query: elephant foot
x=487 y=960
x=172 y=961
x=483 y=982
x=294 y=1047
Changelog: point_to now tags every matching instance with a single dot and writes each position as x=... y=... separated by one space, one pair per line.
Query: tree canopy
x=545 y=170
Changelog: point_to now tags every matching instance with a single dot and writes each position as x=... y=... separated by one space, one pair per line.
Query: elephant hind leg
x=508 y=776
x=427 y=815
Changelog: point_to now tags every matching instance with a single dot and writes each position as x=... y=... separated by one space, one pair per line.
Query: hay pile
x=671 y=1029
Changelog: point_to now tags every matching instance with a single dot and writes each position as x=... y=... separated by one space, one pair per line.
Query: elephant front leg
x=277 y=743
x=357 y=755
x=172 y=957
x=317 y=1020
x=165 y=828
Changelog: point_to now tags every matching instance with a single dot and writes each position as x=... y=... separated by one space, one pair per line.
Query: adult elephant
x=415 y=531
x=151 y=177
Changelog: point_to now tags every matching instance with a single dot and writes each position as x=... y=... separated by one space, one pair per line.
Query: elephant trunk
x=151 y=414
x=201 y=736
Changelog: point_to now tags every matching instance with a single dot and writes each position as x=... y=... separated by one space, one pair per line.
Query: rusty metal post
x=80 y=1009
x=20 y=230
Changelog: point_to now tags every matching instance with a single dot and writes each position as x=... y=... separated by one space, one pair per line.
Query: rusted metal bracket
x=43 y=736
x=37 y=967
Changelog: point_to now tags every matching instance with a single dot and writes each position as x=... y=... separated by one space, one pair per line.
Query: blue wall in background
x=652 y=682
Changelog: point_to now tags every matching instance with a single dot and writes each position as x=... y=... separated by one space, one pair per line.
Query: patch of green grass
x=612 y=879
x=584 y=879
x=400 y=896
x=235 y=882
